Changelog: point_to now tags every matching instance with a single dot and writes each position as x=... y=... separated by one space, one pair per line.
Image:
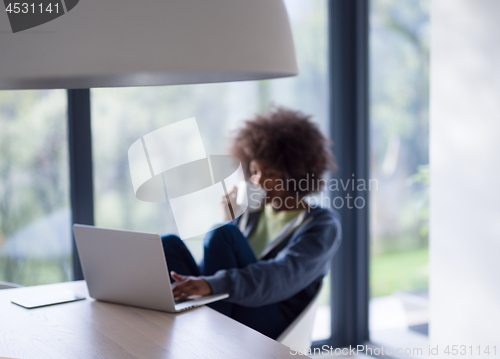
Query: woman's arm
x=304 y=259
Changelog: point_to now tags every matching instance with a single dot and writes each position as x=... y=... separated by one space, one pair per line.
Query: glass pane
x=35 y=224
x=121 y=116
x=399 y=95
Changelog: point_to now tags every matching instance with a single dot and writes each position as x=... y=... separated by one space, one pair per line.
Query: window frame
x=80 y=166
x=348 y=26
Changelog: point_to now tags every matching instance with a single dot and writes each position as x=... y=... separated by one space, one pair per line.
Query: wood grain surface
x=94 y=329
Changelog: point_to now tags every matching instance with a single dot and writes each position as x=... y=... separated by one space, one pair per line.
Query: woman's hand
x=186 y=286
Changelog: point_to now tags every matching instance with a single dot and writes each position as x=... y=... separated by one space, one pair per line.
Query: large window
x=399 y=154
x=35 y=240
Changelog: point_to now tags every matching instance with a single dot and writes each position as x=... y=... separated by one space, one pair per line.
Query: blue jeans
x=224 y=248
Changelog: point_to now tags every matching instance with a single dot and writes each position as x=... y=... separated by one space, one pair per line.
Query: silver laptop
x=128 y=267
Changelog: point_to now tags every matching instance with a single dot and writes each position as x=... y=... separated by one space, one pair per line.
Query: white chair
x=8 y=285
x=298 y=333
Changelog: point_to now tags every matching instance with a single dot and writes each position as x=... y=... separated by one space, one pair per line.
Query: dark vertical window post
x=348 y=40
x=80 y=165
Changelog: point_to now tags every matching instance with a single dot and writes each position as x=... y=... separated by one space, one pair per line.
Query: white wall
x=465 y=174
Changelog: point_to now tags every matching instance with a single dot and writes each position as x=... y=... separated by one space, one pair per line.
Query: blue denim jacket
x=291 y=272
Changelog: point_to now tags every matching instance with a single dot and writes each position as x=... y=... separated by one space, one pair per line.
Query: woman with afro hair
x=272 y=259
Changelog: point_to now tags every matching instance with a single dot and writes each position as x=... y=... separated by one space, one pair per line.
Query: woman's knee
x=223 y=234
x=171 y=241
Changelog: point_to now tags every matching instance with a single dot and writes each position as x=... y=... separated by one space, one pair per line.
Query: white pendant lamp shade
x=108 y=43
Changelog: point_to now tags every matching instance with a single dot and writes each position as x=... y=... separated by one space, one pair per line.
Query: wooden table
x=93 y=329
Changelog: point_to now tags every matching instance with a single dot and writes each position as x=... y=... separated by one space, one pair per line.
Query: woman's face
x=270 y=179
